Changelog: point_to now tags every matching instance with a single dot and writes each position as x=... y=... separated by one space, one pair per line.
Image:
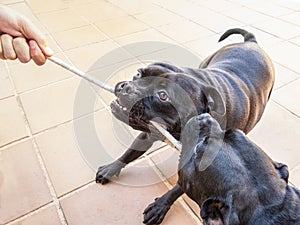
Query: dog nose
x=125 y=87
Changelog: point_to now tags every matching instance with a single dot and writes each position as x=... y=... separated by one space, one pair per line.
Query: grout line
x=159 y=173
x=286 y=67
x=67 y=122
x=77 y=189
x=38 y=153
x=169 y=186
x=14 y=142
x=295 y=168
x=19 y=220
x=6 y=97
x=52 y=83
x=286 y=84
x=285 y=108
x=71 y=63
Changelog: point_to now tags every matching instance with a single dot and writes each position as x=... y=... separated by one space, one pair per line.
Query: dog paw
x=202 y=126
x=105 y=173
x=206 y=124
x=206 y=121
x=155 y=212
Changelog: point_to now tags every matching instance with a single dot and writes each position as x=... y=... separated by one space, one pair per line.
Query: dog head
x=166 y=94
x=216 y=211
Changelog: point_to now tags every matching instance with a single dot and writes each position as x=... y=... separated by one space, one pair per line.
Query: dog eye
x=163 y=96
x=138 y=75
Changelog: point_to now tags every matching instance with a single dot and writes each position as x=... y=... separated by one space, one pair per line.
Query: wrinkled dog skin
x=233 y=85
x=241 y=185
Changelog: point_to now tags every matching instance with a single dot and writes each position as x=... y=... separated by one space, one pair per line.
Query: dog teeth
x=123 y=108
x=120 y=106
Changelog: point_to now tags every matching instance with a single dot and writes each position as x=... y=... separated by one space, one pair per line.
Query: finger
x=1 y=51
x=36 y=53
x=30 y=31
x=7 y=47
x=22 y=49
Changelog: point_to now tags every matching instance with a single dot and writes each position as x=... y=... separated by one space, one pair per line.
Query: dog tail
x=248 y=37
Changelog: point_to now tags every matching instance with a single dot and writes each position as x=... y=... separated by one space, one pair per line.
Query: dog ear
x=215 y=212
x=215 y=102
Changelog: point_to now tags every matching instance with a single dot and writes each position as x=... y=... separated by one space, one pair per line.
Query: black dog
x=241 y=185
x=233 y=85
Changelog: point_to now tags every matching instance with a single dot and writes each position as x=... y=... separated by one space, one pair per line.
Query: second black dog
x=241 y=185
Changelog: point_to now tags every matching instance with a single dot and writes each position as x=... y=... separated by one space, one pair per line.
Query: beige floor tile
x=135 y=6
x=30 y=76
x=53 y=44
x=265 y=40
x=189 y=11
x=295 y=40
x=287 y=54
x=245 y=15
x=293 y=4
x=6 y=88
x=56 y=103
x=188 y=31
x=279 y=28
x=158 y=17
x=193 y=205
x=220 y=6
x=24 y=9
x=286 y=96
x=173 y=5
x=2 y=64
x=7 y=2
x=119 y=204
x=99 y=11
x=167 y=162
x=144 y=42
x=121 y=26
x=100 y=138
x=45 y=216
x=269 y=8
x=12 y=121
x=42 y=7
x=277 y=134
x=22 y=184
x=176 y=55
x=293 y=18
x=61 y=20
x=63 y=160
x=295 y=176
x=112 y=138
x=79 y=37
x=215 y=25
x=206 y=46
x=97 y=55
x=283 y=76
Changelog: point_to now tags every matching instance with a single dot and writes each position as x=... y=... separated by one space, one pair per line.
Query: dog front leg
x=140 y=145
x=156 y=211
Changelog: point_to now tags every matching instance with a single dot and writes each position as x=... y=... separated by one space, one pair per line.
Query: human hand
x=21 y=39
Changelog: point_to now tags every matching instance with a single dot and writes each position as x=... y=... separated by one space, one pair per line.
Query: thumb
x=31 y=32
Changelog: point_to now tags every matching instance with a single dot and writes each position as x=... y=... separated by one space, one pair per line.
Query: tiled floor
x=56 y=129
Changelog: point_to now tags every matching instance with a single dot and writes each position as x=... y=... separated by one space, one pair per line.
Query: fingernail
x=48 y=51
